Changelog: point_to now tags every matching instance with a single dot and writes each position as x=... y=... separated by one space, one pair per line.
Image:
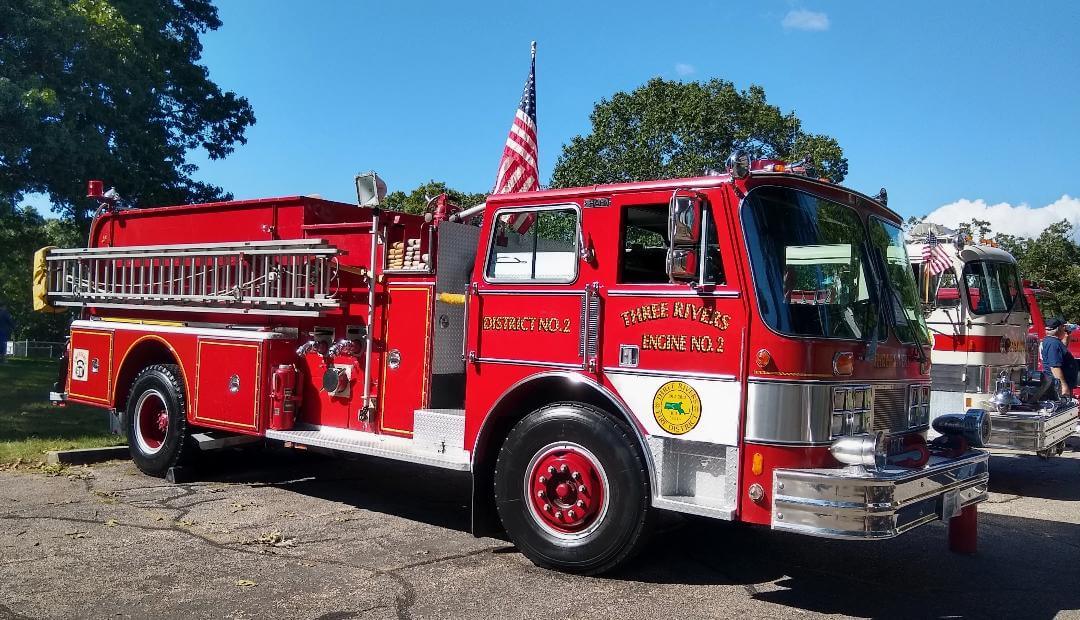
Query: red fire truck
x=735 y=346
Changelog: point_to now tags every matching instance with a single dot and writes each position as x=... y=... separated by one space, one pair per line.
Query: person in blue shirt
x=1056 y=357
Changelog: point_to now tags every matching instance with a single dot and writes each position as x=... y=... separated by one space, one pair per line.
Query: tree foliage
x=416 y=201
x=23 y=231
x=1053 y=260
x=110 y=89
x=671 y=129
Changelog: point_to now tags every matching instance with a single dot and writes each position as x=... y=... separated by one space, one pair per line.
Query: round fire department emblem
x=676 y=407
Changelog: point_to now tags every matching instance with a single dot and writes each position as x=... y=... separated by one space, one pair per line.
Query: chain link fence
x=35 y=348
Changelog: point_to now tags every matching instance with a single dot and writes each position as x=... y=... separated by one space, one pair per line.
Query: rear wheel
x=155 y=419
x=572 y=489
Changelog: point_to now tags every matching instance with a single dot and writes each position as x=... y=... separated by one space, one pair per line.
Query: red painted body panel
x=773 y=457
x=90 y=378
x=408 y=333
x=228 y=386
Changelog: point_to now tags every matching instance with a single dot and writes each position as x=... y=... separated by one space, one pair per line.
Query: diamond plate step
x=359 y=442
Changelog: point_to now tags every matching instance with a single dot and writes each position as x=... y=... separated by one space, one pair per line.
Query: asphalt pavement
x=279 y=534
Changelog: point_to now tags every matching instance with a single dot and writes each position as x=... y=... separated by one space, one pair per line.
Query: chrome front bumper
x=857 y=503
x=1031 y=431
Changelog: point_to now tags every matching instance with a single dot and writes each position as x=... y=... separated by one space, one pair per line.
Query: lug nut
x=570 y=513
x=581 y=488
x=576 y=475
x=581 y=503
x=564 y=468
x=543 y=479
x=558 y=514
x=540 y=494
x=551 y=470
x=547 y=507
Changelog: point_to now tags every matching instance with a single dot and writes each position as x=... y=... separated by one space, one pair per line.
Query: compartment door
x=406 y=360
x=90 y=366
x=227 y=385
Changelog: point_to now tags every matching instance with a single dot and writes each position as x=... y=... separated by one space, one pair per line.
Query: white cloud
x=1020 y=219
x=684 y=69
x=801 y=19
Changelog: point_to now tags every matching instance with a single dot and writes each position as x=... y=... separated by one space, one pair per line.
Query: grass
x=30 y=425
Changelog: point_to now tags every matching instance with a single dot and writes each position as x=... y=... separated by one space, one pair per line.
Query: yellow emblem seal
x=676 y=407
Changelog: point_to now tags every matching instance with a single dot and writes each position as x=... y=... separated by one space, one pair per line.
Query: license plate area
x=950 y=504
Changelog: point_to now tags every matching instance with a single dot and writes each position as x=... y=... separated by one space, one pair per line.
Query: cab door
x=673 y=344
x=532 y=306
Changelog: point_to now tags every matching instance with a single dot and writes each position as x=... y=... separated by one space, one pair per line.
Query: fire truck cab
x=746 y=346
x=978 y=313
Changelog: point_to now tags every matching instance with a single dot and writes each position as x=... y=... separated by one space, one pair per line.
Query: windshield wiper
x=1005 y=321
x=885 y=284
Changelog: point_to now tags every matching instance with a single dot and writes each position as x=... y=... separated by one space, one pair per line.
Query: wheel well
x=142 y=354
x=528 y=396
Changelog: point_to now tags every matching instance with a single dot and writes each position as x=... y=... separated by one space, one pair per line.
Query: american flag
x=935 y=257
x=518 y=171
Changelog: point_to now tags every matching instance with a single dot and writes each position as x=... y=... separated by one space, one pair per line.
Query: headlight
x=852 y=408
x=864 y=449
x=918 y=406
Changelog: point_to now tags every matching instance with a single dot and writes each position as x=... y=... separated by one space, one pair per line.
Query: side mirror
x=682 y=264
x=684 y=220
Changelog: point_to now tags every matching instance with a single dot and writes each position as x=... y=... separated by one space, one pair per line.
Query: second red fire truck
x=746 y=347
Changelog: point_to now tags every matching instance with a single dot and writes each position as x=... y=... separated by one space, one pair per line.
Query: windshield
x=993 y=286
x=810 y=265
x=907 y=318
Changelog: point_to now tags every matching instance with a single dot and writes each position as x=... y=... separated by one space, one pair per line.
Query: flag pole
x=534 y=51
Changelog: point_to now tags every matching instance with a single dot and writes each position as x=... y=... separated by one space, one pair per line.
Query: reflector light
x=763 y=358
x=758 y=464
x=843 y=363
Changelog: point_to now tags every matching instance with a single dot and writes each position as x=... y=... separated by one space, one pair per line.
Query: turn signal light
x=843 y=363
x=763 y=358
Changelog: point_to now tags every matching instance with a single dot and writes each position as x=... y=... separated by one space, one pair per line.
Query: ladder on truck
x=290 y=277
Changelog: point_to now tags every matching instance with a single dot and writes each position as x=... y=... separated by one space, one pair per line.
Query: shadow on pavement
x=1025 y=567
x=427 y=495
x=1027 y=475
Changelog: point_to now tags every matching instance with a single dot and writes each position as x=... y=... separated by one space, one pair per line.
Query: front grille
x=890 y=408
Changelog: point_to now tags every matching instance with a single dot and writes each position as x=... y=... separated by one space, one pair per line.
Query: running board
x=385 y=446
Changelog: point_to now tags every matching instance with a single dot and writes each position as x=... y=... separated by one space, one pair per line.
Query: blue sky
x=936 y=101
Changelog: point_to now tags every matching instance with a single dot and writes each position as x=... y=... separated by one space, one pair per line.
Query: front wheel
x=572 y=489
x=155 y=419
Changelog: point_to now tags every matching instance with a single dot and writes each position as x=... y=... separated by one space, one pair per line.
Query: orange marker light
x=843 y=363
x=758 y=464
x=763 y=358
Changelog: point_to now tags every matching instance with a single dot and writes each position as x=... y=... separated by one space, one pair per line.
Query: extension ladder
x=291 y=277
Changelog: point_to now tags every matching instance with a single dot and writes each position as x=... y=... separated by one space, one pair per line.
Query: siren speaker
x=370 y=189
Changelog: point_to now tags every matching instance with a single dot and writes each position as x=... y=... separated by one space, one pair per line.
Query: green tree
x=670 y=129
x=1053 y=260
x=416 y=201
x=110 y=89
x=22 y=231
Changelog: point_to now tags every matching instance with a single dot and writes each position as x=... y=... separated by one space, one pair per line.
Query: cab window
x=534 y=245
x=643 y=259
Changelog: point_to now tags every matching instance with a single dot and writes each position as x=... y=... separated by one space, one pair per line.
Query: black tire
x=159 y=386
x=616 y=533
